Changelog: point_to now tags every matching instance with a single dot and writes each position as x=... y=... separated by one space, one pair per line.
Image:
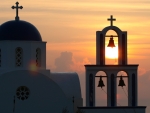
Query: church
x=27 y=86
x=25 y=83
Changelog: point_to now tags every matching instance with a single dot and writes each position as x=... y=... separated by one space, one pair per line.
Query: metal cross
x=17 y=7
x=111 y=19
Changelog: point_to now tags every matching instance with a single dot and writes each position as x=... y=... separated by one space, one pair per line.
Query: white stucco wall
x=45 y=95
x=29 y=54
x=70 y=84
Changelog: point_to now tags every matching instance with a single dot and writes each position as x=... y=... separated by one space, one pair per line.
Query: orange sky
x=71 y=25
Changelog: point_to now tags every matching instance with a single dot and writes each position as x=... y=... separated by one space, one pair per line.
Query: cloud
x=143 y=90
x=79 y=65
x=141 y=71
x=64 y=62
x=67 y=63
x=144 y=83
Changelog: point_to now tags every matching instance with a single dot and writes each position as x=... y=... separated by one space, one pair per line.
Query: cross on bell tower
x=111 y=19
x=17 y=7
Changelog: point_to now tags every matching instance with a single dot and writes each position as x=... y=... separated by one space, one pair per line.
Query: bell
x=111 y=42
x=100 y=84
x=121 y=82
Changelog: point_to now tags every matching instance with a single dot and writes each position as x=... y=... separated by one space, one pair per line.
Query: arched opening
x=100 y=93
x=111 y=53
x=19 y=57
x=122 y=91
x=38 y=57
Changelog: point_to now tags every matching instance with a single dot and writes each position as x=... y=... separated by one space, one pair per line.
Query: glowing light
x=32 y=67
x=111 y=53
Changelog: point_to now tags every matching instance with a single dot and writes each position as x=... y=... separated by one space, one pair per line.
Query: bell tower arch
x=111 y=73
x=100 y=45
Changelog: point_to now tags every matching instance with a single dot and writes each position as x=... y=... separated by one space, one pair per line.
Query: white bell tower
x=111 y=75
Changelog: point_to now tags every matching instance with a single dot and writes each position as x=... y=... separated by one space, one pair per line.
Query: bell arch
x=114 y=28
x=122 y=88
x=111 y=48
x=100 y=45
x=101 y=88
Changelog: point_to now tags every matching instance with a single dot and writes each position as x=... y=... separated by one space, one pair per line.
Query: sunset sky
x=69 y=28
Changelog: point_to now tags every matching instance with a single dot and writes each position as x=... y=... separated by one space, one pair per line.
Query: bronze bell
x=121 y=82
x=111 y=42
x=100 y=84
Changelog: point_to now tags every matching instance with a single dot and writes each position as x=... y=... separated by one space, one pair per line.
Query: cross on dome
x=17 y=7
x=111 y=19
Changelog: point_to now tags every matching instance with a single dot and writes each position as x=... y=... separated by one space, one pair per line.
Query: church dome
x=19 y=30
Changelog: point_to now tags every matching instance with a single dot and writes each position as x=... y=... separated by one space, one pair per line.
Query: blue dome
x=19 y=30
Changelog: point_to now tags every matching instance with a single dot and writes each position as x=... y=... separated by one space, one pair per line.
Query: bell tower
x=122 y=44
x=111 y=74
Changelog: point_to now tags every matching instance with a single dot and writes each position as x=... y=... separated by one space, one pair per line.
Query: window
x=18 y=56
x=22 y=93
x=38 y=57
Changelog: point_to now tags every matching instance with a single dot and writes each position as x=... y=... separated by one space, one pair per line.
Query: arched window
x=0 y=58
x=38 y=57
x=18 y=56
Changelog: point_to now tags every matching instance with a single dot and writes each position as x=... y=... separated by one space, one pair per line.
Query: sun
x=111 y=53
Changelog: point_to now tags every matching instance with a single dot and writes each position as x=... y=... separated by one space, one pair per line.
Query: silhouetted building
x=111 y=72
x=26 y=86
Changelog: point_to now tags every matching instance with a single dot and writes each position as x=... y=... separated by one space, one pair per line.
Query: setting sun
x=111 y=53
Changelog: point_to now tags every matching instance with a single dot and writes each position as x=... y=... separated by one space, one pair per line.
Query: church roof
x=69 y=83
x=19 y=30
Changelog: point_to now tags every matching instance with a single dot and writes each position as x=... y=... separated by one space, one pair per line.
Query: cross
x=17 y=7
x=111 y=19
